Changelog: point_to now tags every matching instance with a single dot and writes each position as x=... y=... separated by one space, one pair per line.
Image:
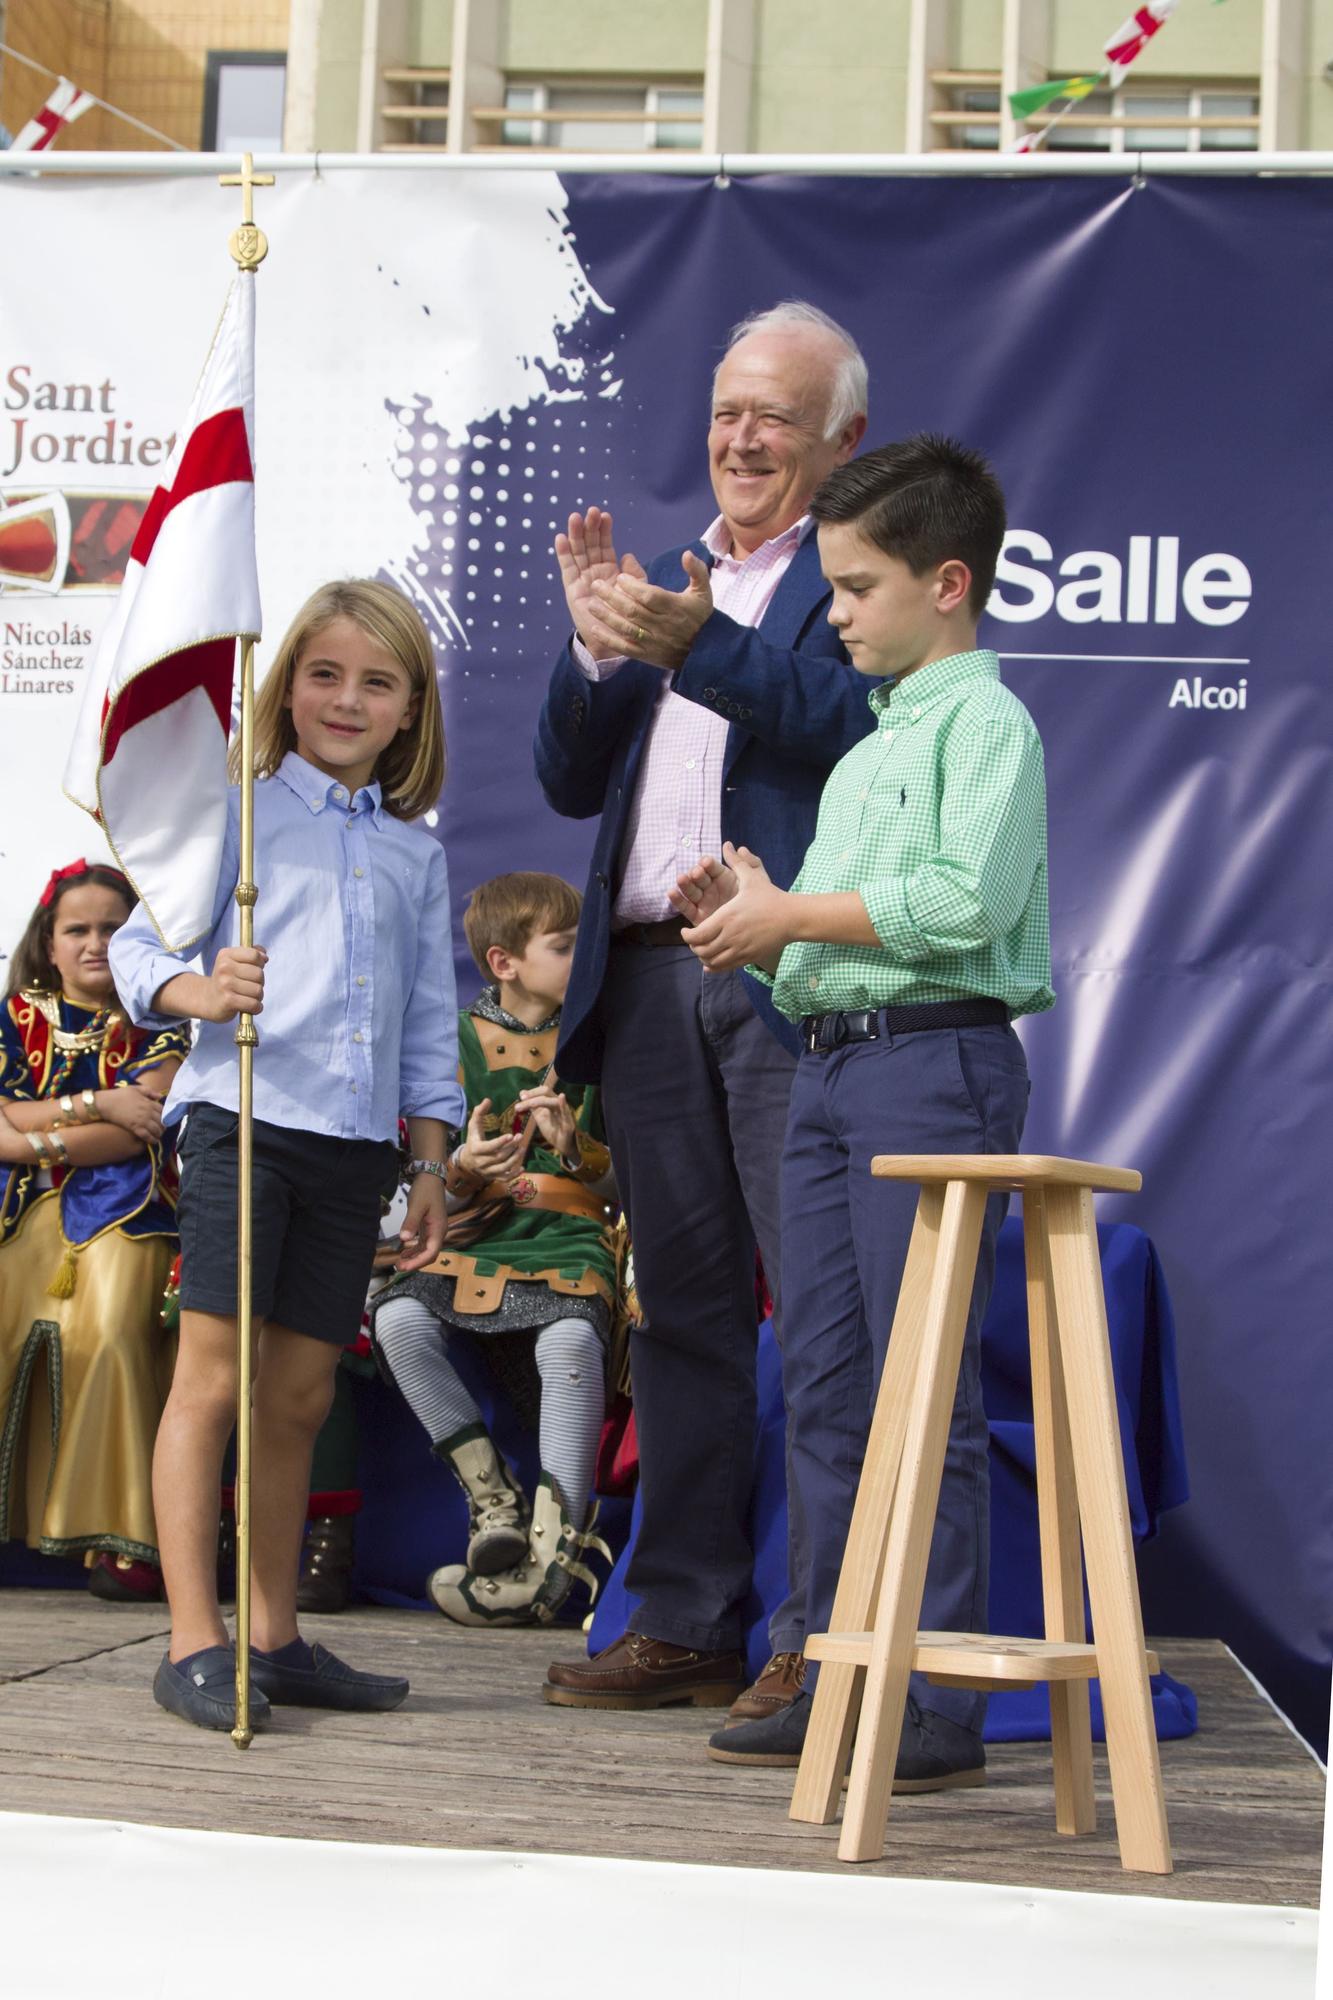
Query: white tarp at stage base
x=219 y=1916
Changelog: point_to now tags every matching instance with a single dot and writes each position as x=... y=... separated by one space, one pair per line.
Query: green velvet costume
x=535 y=1265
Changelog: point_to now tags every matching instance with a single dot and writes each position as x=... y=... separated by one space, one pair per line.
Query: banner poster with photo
x=449 y=363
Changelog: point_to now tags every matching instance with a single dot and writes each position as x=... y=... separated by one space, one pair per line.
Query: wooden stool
x=875 y=1644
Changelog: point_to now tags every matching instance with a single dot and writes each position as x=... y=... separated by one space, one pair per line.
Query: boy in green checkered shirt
x=914 y=933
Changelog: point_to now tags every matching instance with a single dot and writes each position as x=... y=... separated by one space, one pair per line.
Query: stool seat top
x=1005 y=1170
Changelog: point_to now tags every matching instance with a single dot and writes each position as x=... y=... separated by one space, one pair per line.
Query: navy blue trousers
x=695 y=1089
x=844 y=1246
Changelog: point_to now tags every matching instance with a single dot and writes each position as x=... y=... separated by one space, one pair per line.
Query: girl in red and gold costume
x=87 y=1234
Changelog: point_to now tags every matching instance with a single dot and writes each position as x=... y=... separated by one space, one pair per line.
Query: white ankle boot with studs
x=497 y=1507
x=533 y=1591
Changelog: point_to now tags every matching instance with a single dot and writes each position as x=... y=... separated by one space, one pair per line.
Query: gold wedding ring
x=639 y=635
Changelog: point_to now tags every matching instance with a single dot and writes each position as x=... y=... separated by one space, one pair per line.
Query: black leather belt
x=822 y=1032
x=667 y=932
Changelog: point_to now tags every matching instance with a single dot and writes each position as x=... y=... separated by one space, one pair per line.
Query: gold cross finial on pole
x=247 y=243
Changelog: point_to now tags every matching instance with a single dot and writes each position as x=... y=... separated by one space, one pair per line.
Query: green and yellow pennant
x=1023 y=103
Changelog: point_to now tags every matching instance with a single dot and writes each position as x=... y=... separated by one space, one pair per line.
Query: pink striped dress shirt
x=676 y=814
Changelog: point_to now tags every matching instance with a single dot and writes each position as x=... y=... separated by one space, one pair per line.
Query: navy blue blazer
x=795 y=707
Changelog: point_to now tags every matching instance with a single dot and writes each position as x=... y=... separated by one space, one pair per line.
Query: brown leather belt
x=668 y=931
x=547 y=1192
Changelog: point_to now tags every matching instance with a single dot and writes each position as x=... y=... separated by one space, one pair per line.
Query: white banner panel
x=394 y=313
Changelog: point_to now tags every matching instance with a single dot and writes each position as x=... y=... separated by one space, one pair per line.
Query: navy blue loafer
x=327 y=1682
x=205 y=1693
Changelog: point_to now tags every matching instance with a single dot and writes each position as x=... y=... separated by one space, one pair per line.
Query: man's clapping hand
x=587 y=558
x=651 y=624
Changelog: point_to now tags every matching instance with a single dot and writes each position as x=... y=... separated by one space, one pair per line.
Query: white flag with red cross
x=66 y=103
x=149 y=756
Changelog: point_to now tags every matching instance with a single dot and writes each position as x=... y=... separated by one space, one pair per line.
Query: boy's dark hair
x=927 y=501
x=511 y=910
x=30 y=969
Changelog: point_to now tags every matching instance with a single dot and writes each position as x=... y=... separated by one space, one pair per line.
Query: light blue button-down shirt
x=360 y=1017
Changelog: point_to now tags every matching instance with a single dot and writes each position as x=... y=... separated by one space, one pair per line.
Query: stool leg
x=911 y=1524
x=1131 y=1739
x=833 y=1713
x=1061 y=1551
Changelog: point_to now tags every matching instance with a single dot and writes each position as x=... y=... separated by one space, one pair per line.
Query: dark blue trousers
x=844 y=1245
x=695 y=1089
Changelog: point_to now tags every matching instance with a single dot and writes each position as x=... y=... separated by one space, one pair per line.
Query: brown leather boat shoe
x=776 y=1688
x=638 y=1672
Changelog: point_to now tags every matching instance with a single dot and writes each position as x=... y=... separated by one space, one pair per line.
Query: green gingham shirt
x=938 y=821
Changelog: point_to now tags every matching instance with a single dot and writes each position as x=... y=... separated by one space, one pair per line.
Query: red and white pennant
x=66 y=103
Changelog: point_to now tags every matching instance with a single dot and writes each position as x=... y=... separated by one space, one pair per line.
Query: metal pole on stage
x=249 y=247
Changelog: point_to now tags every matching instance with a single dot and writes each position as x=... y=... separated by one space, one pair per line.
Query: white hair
x=849 y=391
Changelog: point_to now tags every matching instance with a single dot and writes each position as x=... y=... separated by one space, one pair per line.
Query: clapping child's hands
x=487 y=1159
x=555 y=1120
x=702 y=890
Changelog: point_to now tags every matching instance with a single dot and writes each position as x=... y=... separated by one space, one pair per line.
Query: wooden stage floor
x=477 y=1760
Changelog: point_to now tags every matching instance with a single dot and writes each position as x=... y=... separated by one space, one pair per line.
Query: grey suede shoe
x=934 y=1754
x=776 y=1739
x=206 y=1695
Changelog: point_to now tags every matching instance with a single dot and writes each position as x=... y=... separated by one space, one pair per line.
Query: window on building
x=243 y=95
x=1159 y=118
x=621 y=116
x=415 y=110
x=967 y=114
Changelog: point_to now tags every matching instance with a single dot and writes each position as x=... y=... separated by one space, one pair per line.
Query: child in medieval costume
x=87 y=1234
x=530 y=1250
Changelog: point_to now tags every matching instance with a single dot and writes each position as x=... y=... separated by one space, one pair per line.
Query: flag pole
x=249 y=247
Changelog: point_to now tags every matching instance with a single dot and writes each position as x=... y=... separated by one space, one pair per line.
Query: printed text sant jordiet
x=112 y=442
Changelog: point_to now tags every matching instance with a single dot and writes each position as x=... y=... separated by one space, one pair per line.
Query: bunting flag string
x=66 y=103
x=1121 y=50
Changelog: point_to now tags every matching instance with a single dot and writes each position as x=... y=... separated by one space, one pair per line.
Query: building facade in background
x=665 y=76
x=204 y=73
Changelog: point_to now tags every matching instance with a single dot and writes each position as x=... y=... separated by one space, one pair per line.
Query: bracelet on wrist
x=435 y=1167
x=89 y=1114
x=39 y=1147
x=58 y=1146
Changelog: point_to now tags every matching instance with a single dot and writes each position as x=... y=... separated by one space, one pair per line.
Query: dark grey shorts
x=316 y=1217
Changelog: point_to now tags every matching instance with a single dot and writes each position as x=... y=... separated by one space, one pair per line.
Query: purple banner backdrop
x=1149 y=369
